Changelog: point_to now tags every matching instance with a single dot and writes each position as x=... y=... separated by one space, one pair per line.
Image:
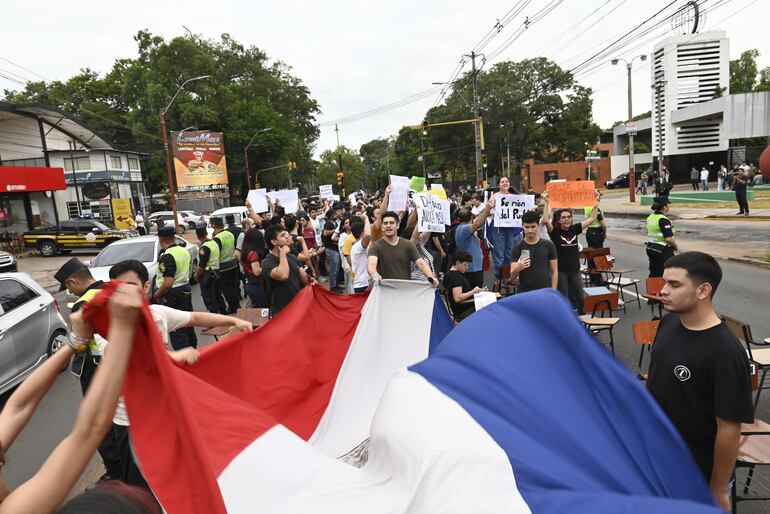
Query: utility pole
x=476 y=113
x=631 y=134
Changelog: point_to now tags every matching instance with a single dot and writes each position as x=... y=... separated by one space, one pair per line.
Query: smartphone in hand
x=524 y=255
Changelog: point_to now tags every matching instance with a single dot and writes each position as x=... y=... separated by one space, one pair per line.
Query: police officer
x=76 y=278
x=173 y=284
x=596 y=233
x=661 y=243
x=207 y=272
x=229 y=280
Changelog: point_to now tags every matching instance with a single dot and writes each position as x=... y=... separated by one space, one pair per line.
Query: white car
x=238 y=213
x=195 y=220
x=31 y=328
x=145 y=249
x=168 y=219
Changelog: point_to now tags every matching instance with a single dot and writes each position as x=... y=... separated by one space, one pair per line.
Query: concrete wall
x=620 y=164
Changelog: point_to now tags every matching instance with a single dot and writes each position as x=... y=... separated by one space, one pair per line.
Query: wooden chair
x=644 y=335
x=455 y=318
x=601 y=304
x=760 y=356
x=589 y=254
x=504 y=285
x=615 y=278
x=654 y=285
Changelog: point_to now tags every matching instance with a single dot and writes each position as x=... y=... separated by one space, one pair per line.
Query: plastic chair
x=644 y=335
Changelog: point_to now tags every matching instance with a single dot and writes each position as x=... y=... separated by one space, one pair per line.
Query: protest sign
x=509 y=209
x=399 y=189
x=418 y=184
x=430 y=216
x=288 y=199
x=258 y=200
x=438 y=190
x=326 y=191
x=571 y=194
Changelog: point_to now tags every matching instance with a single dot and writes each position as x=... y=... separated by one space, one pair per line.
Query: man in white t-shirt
x=166 y=320
x=359 y=254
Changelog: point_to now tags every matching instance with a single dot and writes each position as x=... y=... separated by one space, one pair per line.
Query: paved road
x=744 y=294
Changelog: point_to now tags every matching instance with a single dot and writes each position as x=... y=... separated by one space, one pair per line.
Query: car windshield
x=100 y=226
x=113 y=254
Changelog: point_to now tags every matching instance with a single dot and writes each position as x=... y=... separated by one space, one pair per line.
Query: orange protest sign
x=571 y=194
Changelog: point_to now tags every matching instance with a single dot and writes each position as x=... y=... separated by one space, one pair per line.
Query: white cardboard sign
x=288 y=198
x=399 y=191
x=510 y=208
x=258 y=200
x=326 y=191
x=430 y=215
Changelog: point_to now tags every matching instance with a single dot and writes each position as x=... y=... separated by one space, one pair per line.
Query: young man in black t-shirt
x=699 y=373
x=534 y=259
x=564 y=235
x=283 y=271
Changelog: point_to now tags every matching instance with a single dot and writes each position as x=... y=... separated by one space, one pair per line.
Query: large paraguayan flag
x=349 y=404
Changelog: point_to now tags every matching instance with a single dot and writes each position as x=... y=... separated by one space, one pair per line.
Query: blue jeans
x=502 y=240
x=333 y=265
x=705 y=184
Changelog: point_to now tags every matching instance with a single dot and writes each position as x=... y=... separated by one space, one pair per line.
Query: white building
x=694 y=116
x=40 y=141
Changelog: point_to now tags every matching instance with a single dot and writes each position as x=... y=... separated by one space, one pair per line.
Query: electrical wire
x=379 y=110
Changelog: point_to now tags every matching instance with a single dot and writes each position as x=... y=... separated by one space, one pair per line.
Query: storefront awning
x=21 y=179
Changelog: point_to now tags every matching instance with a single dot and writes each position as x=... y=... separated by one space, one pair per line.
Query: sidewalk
x=617 y=204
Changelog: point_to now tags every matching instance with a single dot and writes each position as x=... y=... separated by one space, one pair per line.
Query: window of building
x=116 y=162
x=133 y=163
x=550 y=175
x=25 y=162
x=81 y=163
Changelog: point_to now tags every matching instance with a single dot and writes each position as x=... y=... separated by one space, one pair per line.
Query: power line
x=379 y=110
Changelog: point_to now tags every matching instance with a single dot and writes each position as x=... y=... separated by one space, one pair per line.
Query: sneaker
x=739 y=214
x=323 y=279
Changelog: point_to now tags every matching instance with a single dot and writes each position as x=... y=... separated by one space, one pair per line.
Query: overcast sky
x=357 y=55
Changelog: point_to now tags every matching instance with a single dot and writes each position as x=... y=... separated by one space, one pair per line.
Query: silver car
x=31 y=328
x=145 y=249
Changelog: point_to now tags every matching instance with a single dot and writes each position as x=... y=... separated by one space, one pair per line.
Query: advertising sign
x=121 y=213
x=199 y=159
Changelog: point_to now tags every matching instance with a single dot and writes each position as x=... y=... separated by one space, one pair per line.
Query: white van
x=239 y=213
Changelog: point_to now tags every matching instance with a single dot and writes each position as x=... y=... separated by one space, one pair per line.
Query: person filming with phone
x=533 y=259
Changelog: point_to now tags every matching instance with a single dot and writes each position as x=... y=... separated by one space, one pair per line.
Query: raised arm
x=483 y=215
x=594 y=213
x=546 y=219
x=366 y=236
x=63 y=467
x=255 y=217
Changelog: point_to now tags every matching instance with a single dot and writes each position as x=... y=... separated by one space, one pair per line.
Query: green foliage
x=639 y=147
x=352 y=165
x=377 y=156
x=743 y=72
x=245 y=93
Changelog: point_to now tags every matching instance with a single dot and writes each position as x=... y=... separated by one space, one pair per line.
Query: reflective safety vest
x=228 y=245
x=182 y=260
x=654 y=234
x=213 y=262
x=89 y=295
x=587 y=214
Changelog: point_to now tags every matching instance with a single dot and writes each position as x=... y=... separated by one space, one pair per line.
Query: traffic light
x=292 y=165
x=341 y=178
x=484 y=160
x=425 y=128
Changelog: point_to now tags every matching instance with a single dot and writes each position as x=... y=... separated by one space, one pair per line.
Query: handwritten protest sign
x=430 y=215
x=509 y=209
x=258 y=200
x=326 y=191
x=571 y=194
x=418 y=184
x=288 y=198
x=438 y=190
x=399 y=190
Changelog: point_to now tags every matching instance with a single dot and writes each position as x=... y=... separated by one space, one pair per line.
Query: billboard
x=199 y=159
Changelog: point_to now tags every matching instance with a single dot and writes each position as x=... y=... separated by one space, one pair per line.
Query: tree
x=245 y=93
x=352 y=166
x=743 y=72
x=376 y=156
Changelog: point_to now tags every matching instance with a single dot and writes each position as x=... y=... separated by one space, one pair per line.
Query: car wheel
x=192 y=225
x=47 y=248
x=58 y=339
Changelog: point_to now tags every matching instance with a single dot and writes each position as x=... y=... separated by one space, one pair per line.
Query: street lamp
x=171 y=192
x=631 y=133
x=246 y=153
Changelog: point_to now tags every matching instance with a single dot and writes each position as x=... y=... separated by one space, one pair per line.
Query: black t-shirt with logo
x=697 y=376
x=566 y=243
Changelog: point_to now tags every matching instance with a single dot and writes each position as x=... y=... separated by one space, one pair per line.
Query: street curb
x=746 y=260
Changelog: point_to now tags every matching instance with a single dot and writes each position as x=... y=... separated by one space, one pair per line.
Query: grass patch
x=761 y=201
x=767 y=256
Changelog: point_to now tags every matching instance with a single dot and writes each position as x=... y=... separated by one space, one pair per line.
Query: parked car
x=238 y=213
x=618 y=182
x=7 y=262
x=195 y=220
x=168 y=219
x=77 y=234
x=145 y=249
x=31 y=328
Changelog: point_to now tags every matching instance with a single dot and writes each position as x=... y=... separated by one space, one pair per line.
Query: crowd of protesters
x=348 y=246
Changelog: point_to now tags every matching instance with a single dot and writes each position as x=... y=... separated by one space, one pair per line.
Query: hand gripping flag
x=336 y=406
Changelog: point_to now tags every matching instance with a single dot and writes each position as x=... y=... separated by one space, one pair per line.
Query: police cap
x=66 y=271
x=166 y=232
